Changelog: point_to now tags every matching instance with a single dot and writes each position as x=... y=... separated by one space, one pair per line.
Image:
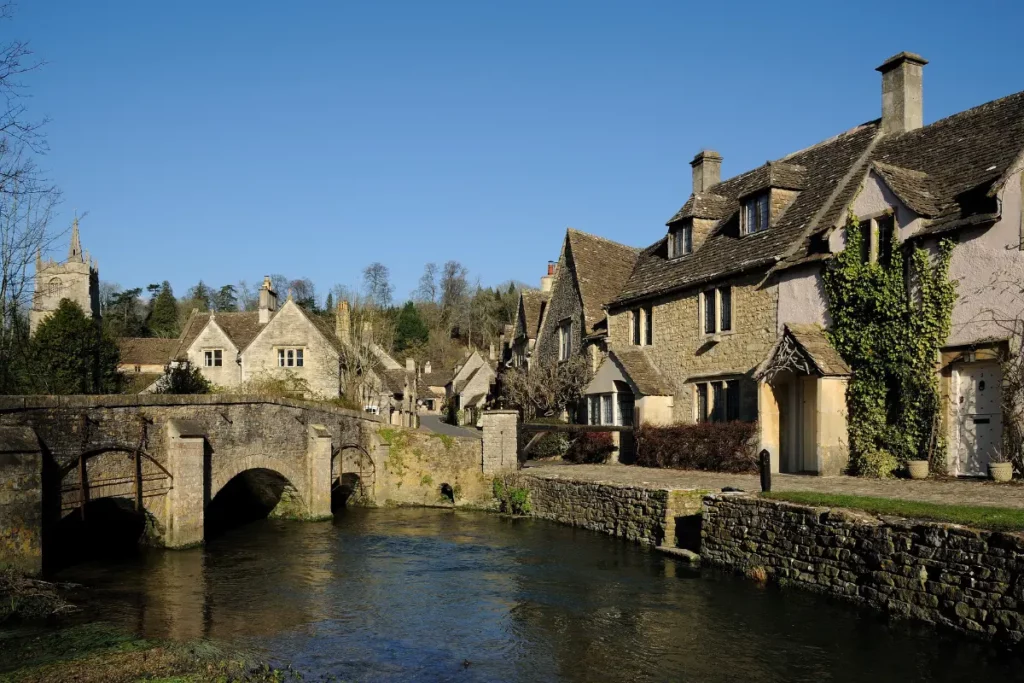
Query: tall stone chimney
x=545 y=282
x=902 y=92
x=268 y=300
x=490 y=353
x=343 y=323
x=426 y=368
x=707 y=170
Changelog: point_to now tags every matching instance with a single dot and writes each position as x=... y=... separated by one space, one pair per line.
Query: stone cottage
x=723 y=317
x=470 y=387
x=529 y=314
x=590 y=272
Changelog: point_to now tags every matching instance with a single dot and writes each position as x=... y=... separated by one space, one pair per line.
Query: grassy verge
x=97 y=653
x=978 y=516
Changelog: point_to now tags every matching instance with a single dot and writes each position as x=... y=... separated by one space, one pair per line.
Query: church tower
x=77 y=279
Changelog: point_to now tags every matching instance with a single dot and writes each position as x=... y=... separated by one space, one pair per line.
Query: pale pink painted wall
x=802 y=297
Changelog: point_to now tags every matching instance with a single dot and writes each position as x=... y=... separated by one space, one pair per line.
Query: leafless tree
x=426 y=292
x=377 y=281
x=454 y=288
x=27 y=199
x=545 y=390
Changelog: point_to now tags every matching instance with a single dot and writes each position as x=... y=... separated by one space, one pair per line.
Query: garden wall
x=642 y=515
x=943 y=574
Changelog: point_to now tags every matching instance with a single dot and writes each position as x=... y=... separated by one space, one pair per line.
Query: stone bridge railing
x=172 y=454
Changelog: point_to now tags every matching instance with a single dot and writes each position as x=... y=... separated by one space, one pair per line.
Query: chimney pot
x=707 y=170
x=902 y=92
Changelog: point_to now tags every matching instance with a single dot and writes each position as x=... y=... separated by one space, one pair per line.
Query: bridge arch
x=222 y=475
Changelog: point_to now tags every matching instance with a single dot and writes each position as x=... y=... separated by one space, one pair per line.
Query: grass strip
x=978 y=516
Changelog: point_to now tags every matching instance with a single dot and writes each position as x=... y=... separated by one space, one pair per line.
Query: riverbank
x=938 y=572
x=98 y=653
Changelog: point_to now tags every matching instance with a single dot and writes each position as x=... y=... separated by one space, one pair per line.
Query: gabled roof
x=532 y=304
x=146 y=350
x=824 y=171
x=644 y=375
x=602 y=267
x=803 y=348
x=240 y=327
x=962 y=156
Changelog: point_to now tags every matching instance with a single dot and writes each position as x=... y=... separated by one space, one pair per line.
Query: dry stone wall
x=422 y=468
x=944 y=574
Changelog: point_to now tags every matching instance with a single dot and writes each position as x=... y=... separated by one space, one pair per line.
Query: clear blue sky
x=226 y=140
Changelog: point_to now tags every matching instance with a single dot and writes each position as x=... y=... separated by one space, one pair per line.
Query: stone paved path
x=952 y=491
x=433 y=423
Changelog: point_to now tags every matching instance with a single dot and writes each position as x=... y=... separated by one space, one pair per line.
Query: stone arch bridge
x=168 y=455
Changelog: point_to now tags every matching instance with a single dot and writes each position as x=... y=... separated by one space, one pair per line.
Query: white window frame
x=715 y=294
x=291 y=357
x=564 y=340
x=213 y=358
x=761 y=205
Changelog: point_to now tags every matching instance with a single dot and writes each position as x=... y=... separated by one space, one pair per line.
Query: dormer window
x=681 y=241
x=755 y=214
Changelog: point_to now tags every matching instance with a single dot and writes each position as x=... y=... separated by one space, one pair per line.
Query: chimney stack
x=343 y=323
x=545 y=282
x=490 y=354
x=410 y=365
x=902 y=92
x=268 y=300
x=707 y=170
x=426 y=368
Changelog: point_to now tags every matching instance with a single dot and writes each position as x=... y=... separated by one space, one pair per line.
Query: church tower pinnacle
x=75 y=250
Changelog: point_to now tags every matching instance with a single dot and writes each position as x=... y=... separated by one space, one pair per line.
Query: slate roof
x=532 y=307
x=820 y=352
x=602 y=267
x=146 y=350
x=824 y=171
x=648 y=380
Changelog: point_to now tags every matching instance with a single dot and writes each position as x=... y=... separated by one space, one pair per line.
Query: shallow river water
x=439 y=595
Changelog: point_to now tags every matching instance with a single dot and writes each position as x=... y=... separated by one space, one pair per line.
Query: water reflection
x=443 y=595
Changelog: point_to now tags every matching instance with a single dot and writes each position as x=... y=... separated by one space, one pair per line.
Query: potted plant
x=918 y=469
x=999 y=467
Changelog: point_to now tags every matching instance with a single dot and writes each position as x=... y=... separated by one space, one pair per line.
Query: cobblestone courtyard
x=949 y=491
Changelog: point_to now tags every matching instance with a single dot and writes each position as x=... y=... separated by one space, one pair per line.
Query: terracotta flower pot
x=918 y=469
x=1000 y=471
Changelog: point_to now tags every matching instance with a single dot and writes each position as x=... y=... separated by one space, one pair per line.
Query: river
x=442 y=595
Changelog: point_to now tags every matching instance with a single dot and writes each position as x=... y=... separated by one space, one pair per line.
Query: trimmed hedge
x=710 y=446
x=590 y=447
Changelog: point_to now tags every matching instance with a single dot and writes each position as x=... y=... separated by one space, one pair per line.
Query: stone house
x=470 y=387
x=143 y=361
x=77 y=279
x=529 y=314
x=724 y=316
x=591 y=271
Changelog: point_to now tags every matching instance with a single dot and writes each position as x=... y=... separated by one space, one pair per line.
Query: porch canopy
x=802 y=402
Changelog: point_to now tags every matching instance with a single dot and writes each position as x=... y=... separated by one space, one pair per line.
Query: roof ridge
x=957 y=116
x=599 y=237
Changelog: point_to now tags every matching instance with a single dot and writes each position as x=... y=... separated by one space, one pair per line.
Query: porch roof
x=807 y=343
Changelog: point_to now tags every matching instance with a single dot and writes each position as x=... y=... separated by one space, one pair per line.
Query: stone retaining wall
x=942 y=574
x=642 y=515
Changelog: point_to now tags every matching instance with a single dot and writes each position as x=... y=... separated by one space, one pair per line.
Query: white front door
x=979 y=416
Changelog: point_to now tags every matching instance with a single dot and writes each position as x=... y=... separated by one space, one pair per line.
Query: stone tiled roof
x=813 y=340
x=533 y=300
x=325 y=328
x=136 y=383
x=146 y=350
x=602 y=267
x=648 y=380
x=241 y=328
x=824 y=171
x=914 y=188
x=962 y=156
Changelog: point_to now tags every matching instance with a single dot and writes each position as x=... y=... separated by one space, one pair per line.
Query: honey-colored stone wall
x=684 y=353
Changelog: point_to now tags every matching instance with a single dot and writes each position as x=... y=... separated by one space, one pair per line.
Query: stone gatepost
x=21 y=500
x=318 y=473
x=501 y=441
x=186 y=501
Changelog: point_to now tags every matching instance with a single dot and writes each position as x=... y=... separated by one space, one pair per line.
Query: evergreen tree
x=202 y=295
x=123 y=314
x=183 y=379
x=70 y=354
x=163 y=313
x=226 y=299
x=329 y=304
x=410 y=330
